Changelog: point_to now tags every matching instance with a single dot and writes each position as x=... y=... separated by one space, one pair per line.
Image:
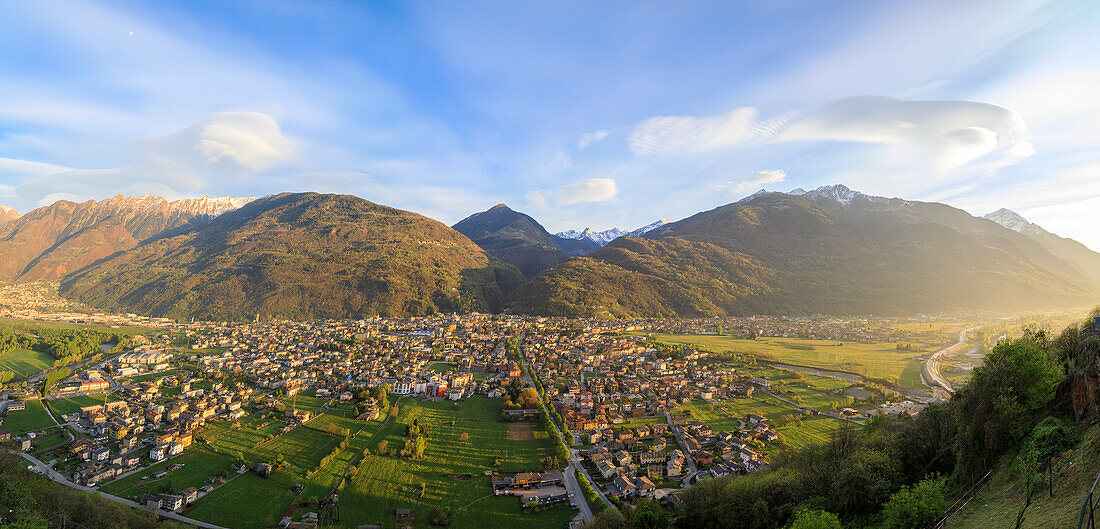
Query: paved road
x=679 y=434
x=571 y=483
x=54 y=475
x=931 y=368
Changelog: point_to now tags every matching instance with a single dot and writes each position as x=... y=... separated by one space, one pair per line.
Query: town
x=569 y=416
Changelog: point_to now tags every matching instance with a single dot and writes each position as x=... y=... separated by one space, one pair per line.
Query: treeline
x=31 y=501
x=899 y=472
x=66 y=345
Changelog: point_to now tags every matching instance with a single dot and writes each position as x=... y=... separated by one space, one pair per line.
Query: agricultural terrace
x=73 y=404
x=24 y=362
x=876 y=360
x=32 y=418
x=465 y=439
x=258 y=438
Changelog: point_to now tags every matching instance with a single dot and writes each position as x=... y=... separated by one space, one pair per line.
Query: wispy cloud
x=227 y=145
x=952 y=133
x=590 y=138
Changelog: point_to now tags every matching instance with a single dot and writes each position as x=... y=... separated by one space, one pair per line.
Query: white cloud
x=688 y=134
x=948 y=133
x=227 y=145
x=585 y=191
x=590 y=138
x=953 y=133
x=759 y=178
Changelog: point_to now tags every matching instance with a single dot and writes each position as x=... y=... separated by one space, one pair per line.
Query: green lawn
x=32 y=418
x=24 y=362
x=634 y=422
x=878 y=360
x=443 y=367
x=303 y=448
x=73 y=404
x=248 y=502
x=385 y=483
x=199 y=464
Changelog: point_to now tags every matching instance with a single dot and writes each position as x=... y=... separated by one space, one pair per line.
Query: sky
x=581 y=114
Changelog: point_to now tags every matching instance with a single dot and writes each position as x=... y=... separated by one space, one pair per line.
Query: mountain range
x=831 y=250
x=53 y=241
x=520 y=240
x=301 y=256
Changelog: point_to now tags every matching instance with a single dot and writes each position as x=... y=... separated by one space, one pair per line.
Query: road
x=676 y=431
x=54 y=475
x=570 y=471
x=930 y=371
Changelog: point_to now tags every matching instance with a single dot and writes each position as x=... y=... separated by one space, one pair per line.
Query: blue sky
x=612 y=114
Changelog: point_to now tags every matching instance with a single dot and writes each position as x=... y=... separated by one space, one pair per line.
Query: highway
x=931 y=369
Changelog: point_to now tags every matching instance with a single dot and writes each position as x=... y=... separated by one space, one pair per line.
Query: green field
x=725 y=415
x=451 y=470
x=199 y=464
x=248 y=502
x=73 y=404
x=634 y=422
x=303 y=448
x=24 y=362
x=32 y=418
x=443 y=367
x=878 y=360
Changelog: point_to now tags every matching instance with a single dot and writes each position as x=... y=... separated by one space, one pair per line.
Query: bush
x=916 y=506
x=808 y=519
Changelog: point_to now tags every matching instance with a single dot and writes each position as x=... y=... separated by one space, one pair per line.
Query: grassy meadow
x=32 y=418
x=24 y=362
x=877 y=360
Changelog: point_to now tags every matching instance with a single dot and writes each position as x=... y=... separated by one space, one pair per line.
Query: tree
x=1004 y=398
x=648 y=514
x=813 y=519
x=916 y=506
x=382 y=445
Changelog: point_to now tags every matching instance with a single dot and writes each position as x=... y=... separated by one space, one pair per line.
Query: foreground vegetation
x=905 y=472
x=31 y=501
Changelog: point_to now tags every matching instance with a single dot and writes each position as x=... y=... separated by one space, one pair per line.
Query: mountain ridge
x=828 y=251
x=52 y=241
x=302 y=256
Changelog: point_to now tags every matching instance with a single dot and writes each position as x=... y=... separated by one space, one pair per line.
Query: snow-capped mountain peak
x=647 y=228
x=1011 y=220
x=603 y=237
x=213 y=206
